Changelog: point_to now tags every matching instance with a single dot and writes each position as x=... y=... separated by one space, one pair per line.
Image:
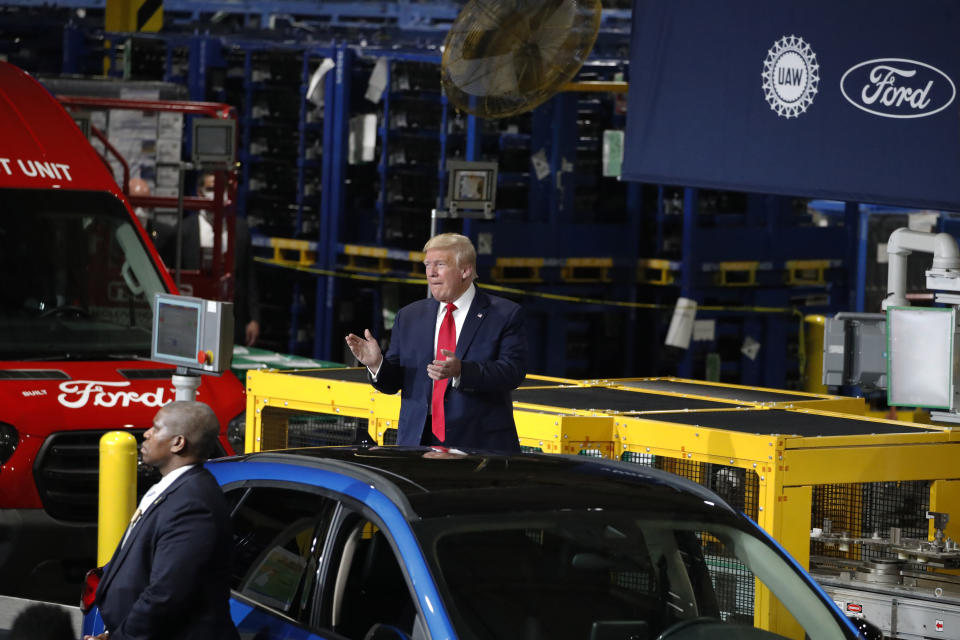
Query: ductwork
x=903 y=242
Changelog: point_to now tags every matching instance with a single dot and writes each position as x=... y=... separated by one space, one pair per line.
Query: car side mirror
x=382 y=631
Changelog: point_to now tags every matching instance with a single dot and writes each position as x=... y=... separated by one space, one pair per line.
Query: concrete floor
x=10 y=607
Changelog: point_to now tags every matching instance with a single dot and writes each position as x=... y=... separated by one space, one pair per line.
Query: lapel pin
x=479 y=315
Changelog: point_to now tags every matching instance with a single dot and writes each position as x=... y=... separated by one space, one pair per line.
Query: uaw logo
x=897 y=88
x=77 y=393
x=791 y=76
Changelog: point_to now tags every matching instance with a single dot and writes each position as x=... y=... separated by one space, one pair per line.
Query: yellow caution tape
x=801 y=347
x=520 y=292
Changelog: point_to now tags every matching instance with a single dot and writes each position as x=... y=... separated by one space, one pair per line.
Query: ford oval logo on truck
x=897 y=88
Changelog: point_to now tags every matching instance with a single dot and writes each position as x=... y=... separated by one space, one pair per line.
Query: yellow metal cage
x=788 y=460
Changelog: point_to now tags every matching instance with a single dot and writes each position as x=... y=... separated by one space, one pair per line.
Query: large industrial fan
x=504 y=57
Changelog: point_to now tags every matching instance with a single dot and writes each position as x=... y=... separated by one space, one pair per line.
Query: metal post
x=118 y=490
x=178 y=256
x=185 y=384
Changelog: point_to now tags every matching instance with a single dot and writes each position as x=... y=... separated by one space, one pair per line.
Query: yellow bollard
x=813 y=369
x=118 y=490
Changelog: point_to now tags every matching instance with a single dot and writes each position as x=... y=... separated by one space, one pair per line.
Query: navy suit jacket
x=172 y=577
x=493 y=349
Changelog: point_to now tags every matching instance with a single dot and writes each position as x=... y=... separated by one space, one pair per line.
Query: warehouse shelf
x=301 y=180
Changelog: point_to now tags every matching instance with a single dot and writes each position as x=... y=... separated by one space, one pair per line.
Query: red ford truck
x=79 y=275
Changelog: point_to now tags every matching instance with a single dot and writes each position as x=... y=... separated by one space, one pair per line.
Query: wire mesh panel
x=732 y=581
x=283 y=428
x=593 y=453
x=861 y=510
x=740 y=488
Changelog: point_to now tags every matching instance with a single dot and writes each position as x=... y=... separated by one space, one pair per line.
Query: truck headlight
x=9 y=439
x=237 y=432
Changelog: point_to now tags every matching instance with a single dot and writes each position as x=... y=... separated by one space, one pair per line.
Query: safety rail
x=657 y=271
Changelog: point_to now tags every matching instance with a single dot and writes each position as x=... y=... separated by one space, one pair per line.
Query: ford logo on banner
x=897 y=88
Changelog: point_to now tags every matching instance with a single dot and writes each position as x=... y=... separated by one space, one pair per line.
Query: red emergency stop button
x=205 y=357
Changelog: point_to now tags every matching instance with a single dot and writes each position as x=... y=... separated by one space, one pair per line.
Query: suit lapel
x=121 y=552
x=475 y=316
x=430 y=323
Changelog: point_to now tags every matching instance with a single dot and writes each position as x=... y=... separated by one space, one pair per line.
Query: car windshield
x=77 y=279
x=599 y=574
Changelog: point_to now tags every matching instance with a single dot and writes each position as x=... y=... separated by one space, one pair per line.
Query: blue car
x=374 y=543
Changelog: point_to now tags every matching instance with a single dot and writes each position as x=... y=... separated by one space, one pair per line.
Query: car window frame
x=349 y=513
x=247 y=486
x=346 y=512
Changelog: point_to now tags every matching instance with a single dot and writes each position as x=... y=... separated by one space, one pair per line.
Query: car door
x=279 y=531
x=309 y=563
x=366 y=591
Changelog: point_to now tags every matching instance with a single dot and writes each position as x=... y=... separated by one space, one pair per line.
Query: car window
x=365 y=585
x=601 y=574
x=278 y=534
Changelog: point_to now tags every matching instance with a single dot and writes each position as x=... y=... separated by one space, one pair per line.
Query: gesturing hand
x=449 y=368
x=366 y=349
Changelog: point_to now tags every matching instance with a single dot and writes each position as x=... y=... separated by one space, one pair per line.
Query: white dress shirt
x=151 y=495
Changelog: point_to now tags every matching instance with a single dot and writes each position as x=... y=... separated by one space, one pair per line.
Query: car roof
x=427 y=483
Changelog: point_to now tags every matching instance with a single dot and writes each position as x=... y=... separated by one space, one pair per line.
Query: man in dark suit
x=170 y=575
x=453 y=396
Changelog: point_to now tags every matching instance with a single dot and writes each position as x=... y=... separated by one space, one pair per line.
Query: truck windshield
x=77 y=280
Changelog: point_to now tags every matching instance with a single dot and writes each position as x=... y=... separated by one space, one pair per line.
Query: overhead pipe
x=903 y=242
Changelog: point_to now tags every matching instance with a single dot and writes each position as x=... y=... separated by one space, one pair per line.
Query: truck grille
x=66 y=472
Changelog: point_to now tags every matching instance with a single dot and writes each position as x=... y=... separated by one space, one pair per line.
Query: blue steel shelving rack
x=549 y=225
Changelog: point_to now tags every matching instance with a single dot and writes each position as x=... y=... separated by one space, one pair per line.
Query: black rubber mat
x=355 y=374
x=711 y=391
x=603 y=398
x=527 y=382
x=778 y=421
x=359 y=374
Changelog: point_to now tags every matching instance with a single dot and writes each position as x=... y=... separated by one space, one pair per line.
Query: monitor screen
x=178 y=329
x=213 y=141
x=193 y=333
x=920 y=357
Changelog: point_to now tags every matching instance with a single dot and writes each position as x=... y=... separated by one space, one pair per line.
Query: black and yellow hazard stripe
x=149 y=15
x=127 y=16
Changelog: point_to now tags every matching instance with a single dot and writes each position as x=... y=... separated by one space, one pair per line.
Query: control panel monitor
x=921 y=357
x=214 y=141
x=193 y=333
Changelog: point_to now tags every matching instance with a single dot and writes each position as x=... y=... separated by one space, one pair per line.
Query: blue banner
x=853 y=100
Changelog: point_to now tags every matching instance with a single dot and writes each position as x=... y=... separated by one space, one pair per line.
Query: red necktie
x=447 y=339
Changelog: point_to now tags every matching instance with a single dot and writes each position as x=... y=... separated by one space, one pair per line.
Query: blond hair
x=459 y=245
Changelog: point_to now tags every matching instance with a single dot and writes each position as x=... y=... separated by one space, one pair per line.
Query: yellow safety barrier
x=807 y=272
x=596 y=86
x=382 y=260
x=737 y=274
x=657 y=271
x=586 y=270
x=517 y=270
x=813 y=368
x=304 y=250
x=741 y=394
x=118 y=490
